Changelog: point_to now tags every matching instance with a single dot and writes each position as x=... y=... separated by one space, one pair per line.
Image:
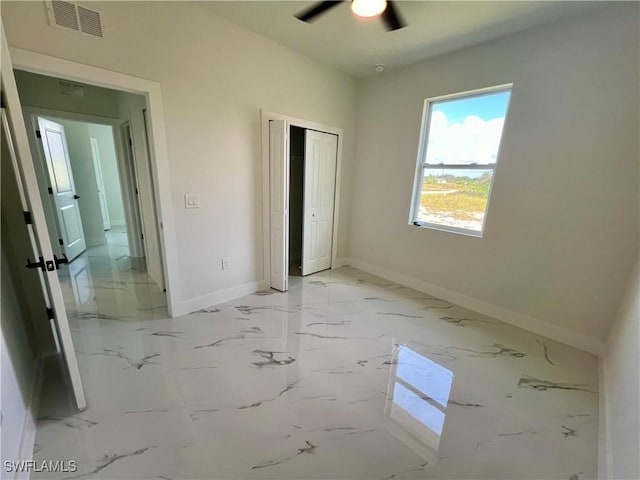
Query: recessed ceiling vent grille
x=69 y=16
x=64 y=14
x=71 y=89
x=90 y=21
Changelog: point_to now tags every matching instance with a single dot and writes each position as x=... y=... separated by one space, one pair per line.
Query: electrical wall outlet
x=226 y=263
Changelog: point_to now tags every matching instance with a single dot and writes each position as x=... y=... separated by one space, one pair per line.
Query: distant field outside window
x=458 y=153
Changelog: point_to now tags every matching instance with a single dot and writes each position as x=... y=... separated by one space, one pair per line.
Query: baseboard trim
x=340 y=262
x=28 y=440
x=526 y=322
x=604 y=434
x=221 y=296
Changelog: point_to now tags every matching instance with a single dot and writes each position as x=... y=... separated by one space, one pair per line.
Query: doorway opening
x=296 y=199
x=312 y=182
x=93 y=167
x=302 y=192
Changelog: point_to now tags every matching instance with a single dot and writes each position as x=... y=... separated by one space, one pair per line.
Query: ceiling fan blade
x=391 y=17
x=310 y=14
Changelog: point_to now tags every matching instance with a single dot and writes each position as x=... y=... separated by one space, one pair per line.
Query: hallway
x=106 y=282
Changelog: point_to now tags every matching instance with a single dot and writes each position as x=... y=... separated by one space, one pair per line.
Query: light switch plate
x=192 y=200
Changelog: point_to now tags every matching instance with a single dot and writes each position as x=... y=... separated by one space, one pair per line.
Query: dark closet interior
x=296 y=198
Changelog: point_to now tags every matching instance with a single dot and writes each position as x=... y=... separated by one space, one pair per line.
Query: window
x=457 y=156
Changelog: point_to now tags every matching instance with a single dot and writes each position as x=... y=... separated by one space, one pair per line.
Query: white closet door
x=279 y=203
x=321 y=150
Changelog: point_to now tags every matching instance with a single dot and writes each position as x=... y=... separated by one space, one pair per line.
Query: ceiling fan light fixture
x=368 y=8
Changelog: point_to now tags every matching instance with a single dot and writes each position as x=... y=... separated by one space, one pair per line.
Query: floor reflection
x=417 y=399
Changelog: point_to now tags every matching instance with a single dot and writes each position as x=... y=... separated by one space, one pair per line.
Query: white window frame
x=421 y=163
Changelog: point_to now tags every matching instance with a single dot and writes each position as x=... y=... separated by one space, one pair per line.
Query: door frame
x=97 y=167
x=159 y=157
x=129 y=163
x=265 y=116
x=133 y=229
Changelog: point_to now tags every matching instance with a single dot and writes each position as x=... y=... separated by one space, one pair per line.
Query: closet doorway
x=312 y=175
x=302 y=190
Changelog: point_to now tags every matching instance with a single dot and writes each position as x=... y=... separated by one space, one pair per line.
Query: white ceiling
x=356 y=45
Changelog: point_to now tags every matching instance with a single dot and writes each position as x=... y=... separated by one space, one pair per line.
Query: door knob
x=60 y=261
x=42 y=264
x=76 y=197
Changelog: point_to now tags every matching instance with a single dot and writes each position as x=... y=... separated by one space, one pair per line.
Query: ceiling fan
x=363 y=8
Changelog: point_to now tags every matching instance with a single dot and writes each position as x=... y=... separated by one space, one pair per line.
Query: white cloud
x=472 y=141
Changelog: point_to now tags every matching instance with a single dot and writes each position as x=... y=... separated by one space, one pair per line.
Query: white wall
x=110 y=175
x=215 y=78
x=84 y=176
x=622 y=386
x=18 y=369
x=562 y=226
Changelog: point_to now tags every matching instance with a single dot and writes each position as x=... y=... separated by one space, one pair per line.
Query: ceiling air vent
x=69 y=16
x=90 y=21
x=71 y=89
x=64 y=14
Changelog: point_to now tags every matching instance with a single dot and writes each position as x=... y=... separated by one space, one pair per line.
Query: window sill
x=444 y=228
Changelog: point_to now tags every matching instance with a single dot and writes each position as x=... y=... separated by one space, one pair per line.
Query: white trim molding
x=221 y=296
x=526 y=322
x=68 y=70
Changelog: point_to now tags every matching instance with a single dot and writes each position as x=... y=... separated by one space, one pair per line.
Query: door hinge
x=61 y=242
x=50 y=314
x=130 y=143
x=38 y=134
x=27 y=218
x=136 y=190
x=50 y=190
x=142 y=236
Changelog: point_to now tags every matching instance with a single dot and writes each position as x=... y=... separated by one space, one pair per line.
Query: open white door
x=279 y=203
x=14 y=133
x=321 y=153
x=102 y=197
x=56 y=153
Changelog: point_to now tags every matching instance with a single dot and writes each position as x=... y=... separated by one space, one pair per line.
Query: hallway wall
x=84 y=176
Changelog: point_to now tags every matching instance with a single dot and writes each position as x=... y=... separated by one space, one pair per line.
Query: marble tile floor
x=346 y=376
x=105 y=281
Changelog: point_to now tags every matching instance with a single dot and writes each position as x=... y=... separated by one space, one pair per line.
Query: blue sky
x=486 y=107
